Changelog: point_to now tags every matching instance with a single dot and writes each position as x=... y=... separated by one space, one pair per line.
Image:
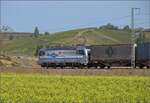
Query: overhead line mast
x=133 y=62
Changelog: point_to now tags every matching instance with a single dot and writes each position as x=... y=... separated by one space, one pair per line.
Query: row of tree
x=113 y=27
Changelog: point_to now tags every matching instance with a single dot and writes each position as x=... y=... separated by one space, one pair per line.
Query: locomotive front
x=63 y=56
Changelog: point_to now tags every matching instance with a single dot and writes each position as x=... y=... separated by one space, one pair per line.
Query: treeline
x=125 y=28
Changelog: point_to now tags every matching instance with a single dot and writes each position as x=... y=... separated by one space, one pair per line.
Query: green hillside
x=88 y=36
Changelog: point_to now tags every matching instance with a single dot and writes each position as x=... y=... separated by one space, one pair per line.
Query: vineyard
x=38 y=88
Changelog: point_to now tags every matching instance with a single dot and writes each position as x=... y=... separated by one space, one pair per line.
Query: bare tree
x=5 y=28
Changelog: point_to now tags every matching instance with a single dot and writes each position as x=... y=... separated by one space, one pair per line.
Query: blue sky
x=54 y=16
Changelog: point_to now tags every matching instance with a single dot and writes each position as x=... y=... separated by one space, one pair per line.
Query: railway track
x=69 y=71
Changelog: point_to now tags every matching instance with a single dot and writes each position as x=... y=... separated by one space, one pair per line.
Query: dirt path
x=106 y=37
x=81 y=38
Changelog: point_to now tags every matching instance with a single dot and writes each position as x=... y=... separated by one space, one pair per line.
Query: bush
x=109 y=26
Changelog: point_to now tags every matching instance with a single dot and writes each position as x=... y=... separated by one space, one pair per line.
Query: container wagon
x=143 y=55
x=110 y=55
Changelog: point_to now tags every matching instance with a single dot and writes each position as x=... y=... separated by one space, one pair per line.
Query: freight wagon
x=110 y=55
x=143 y=55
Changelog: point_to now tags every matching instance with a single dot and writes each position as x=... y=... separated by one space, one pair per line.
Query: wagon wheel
x=108 y=67
x=148 y=67
x=102 y=67
x=141 y=66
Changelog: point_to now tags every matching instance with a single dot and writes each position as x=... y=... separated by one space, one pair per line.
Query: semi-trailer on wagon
x=110 y=55
x=143 y=55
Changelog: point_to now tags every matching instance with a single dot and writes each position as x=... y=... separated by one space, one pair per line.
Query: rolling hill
x=88 y=36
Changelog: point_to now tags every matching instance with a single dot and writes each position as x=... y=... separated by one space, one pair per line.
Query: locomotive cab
x=84 y=52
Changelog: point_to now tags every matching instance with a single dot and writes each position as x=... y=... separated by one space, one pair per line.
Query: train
x=97 y=56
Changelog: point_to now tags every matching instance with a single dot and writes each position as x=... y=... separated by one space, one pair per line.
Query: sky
x=56 y=16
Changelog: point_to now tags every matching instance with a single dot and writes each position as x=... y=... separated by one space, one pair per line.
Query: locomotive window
x=41 y=53
x=80 y=52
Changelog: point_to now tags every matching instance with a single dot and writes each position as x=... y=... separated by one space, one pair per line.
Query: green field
x=89 y=36
x=24 y=43
x=37 y=88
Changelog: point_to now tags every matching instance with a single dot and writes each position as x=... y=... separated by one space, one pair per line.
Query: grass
x=28 y=44
x=36 y=88
x=90 y=36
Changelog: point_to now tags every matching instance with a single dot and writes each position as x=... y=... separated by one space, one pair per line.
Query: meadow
x=90 y=36
x=39 y=88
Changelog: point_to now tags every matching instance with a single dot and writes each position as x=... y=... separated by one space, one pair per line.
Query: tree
x=109 y=26
x=36 y=32
x=126 y=28
x=5 y=29
x=11 y=37
x=46 y=33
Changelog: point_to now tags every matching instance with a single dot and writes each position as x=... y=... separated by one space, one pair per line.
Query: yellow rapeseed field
x=37 y=88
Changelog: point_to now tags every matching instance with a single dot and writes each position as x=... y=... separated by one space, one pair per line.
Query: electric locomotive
x=63 y=56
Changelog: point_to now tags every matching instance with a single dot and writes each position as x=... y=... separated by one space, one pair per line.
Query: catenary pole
x=133 y=62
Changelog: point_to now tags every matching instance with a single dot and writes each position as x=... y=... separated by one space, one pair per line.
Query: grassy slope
x=25 y=88
x=27 y=45
x=147 y=36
